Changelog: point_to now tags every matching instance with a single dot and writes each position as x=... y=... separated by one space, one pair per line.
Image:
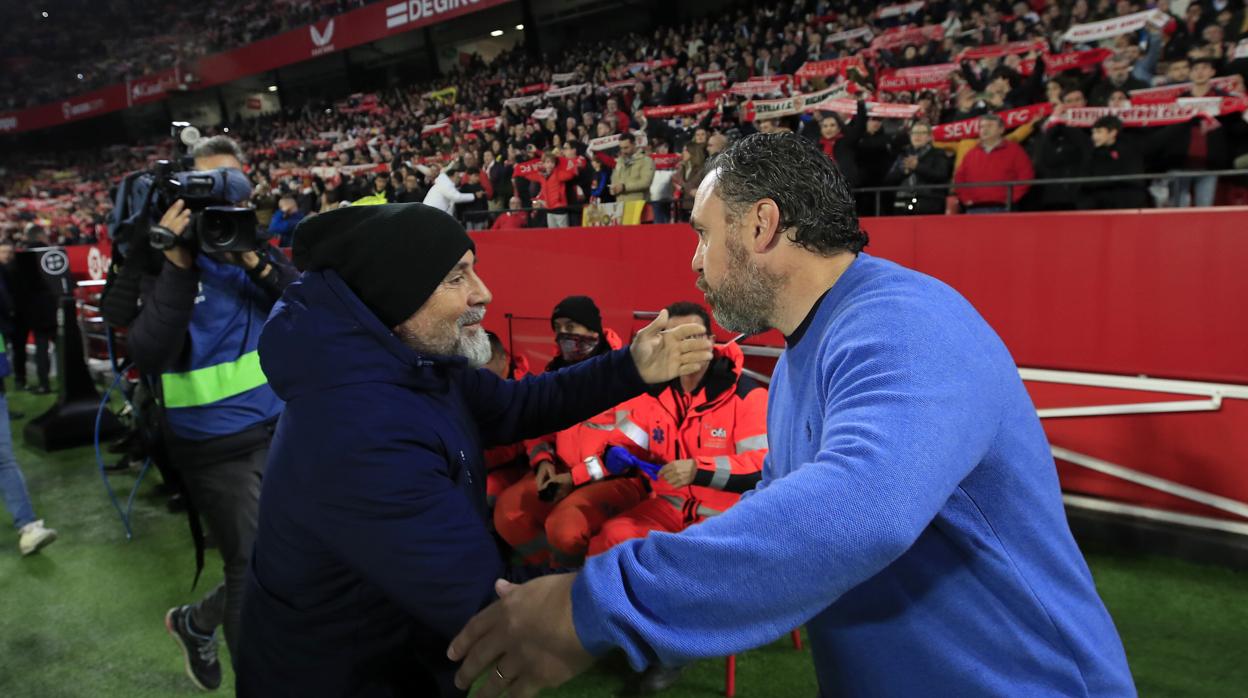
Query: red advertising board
x=369 y=23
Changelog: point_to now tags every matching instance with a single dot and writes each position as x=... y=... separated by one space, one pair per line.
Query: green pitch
x=85 y=617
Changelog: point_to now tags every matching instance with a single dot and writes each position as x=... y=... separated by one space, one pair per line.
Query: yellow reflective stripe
x=207 y=385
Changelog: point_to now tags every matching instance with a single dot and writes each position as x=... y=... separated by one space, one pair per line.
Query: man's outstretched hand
x=523 y=642
x=662 y=353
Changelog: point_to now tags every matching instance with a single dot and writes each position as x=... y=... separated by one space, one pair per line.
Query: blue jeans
x=12 y=484
x=1181 y=191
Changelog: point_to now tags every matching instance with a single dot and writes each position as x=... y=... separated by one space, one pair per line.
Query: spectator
x=661 y=187
x=1111 y=159
x=412 y=192
x=716 y=145
x=473 y=213
x=553 y=177
x=442 y=194
x=513 y=219
x=689 y=176
x=633 y=174
x=993 y=159
x=265 y=203
x=840 y=141
x=600 y=186
x=282 y=225
x=1118 y=76
x=919 y=164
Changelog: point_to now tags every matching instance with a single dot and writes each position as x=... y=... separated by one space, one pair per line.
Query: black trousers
x=227 y=495
x=43 y=363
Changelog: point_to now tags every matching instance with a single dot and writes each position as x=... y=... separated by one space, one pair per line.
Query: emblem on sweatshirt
x=657 y=435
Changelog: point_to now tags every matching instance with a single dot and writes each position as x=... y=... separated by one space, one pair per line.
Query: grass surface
x=85 y=617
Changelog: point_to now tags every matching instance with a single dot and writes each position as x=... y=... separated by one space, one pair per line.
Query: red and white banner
x=1055 y=63
x=369 y=23
x=875 y=110
x=677 y=110
x=533 y=89
x=442 y=127
x=969 y=128
x=665 y=161
x=761 y=86
x=1109 y=28
x=567 y=91
x=618 y=85
x=863 y=33
x=927 y=77
x=1146 y=115
x=489 y=123
x=560 y=78
x=547 y=113
x=526 y=169
x=521 y=101
x=1231 y=84
x=823 y=69
x=900 y=36
x=644 y=66
x=755 y=110
x=609 y=142
x=908 y=8
x=997 y=50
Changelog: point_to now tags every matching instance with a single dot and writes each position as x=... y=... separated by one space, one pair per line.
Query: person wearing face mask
x=544 y=517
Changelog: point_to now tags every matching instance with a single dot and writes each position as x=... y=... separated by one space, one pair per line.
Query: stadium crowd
x=61 y=48
x=914 y=96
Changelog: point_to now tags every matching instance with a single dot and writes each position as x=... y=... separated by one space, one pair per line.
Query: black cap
x=393 y=256
x=580 y=309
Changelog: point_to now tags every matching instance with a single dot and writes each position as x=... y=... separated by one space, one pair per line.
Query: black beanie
x=393 y=256
x=579 y=309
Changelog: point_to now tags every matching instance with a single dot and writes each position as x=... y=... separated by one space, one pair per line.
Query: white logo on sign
x=401 y=13
x=322 y=39
x=8 y=123
x=54 y=262
x=97 y=263
x=67 y=109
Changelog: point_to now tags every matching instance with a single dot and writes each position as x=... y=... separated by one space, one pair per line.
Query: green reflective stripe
x=207 y=385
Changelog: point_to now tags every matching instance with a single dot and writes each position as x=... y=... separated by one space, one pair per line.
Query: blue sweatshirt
x=909 y=515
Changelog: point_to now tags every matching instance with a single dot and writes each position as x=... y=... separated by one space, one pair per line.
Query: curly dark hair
x=815 y=203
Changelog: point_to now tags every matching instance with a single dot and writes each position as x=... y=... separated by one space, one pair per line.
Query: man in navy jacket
x=373 y=548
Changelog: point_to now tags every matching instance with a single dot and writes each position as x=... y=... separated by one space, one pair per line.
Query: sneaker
x=34 y=537
x=660 y=678
x=199 y=651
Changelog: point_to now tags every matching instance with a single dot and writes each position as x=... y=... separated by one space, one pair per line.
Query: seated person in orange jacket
x=504 y=465
x=708 y=430
x=542 y=516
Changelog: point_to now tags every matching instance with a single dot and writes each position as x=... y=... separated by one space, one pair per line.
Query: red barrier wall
x=1153 y=293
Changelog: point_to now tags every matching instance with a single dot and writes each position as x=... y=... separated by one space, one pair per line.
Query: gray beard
x=474 y=347
x=746 y=301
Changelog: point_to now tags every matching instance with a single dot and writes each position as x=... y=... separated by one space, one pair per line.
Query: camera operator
x=197 y=329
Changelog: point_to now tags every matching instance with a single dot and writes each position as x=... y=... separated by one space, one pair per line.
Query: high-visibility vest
x=220 y=390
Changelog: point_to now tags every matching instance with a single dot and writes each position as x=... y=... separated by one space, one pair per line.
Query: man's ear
x=764 y=219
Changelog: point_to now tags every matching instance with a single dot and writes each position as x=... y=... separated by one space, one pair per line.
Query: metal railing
x=678 y=213
x=1010 y=185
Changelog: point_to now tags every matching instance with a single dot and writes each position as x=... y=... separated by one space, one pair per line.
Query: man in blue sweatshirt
x=909 y=513
x=373 y=547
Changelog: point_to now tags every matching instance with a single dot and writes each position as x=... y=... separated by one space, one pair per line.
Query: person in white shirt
x=443 y=195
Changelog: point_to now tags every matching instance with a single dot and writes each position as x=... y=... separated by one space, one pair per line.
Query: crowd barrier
x=1127 y=328
x=1087 y=303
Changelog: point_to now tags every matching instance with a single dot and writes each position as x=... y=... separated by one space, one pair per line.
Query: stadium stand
x=1172 y=81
